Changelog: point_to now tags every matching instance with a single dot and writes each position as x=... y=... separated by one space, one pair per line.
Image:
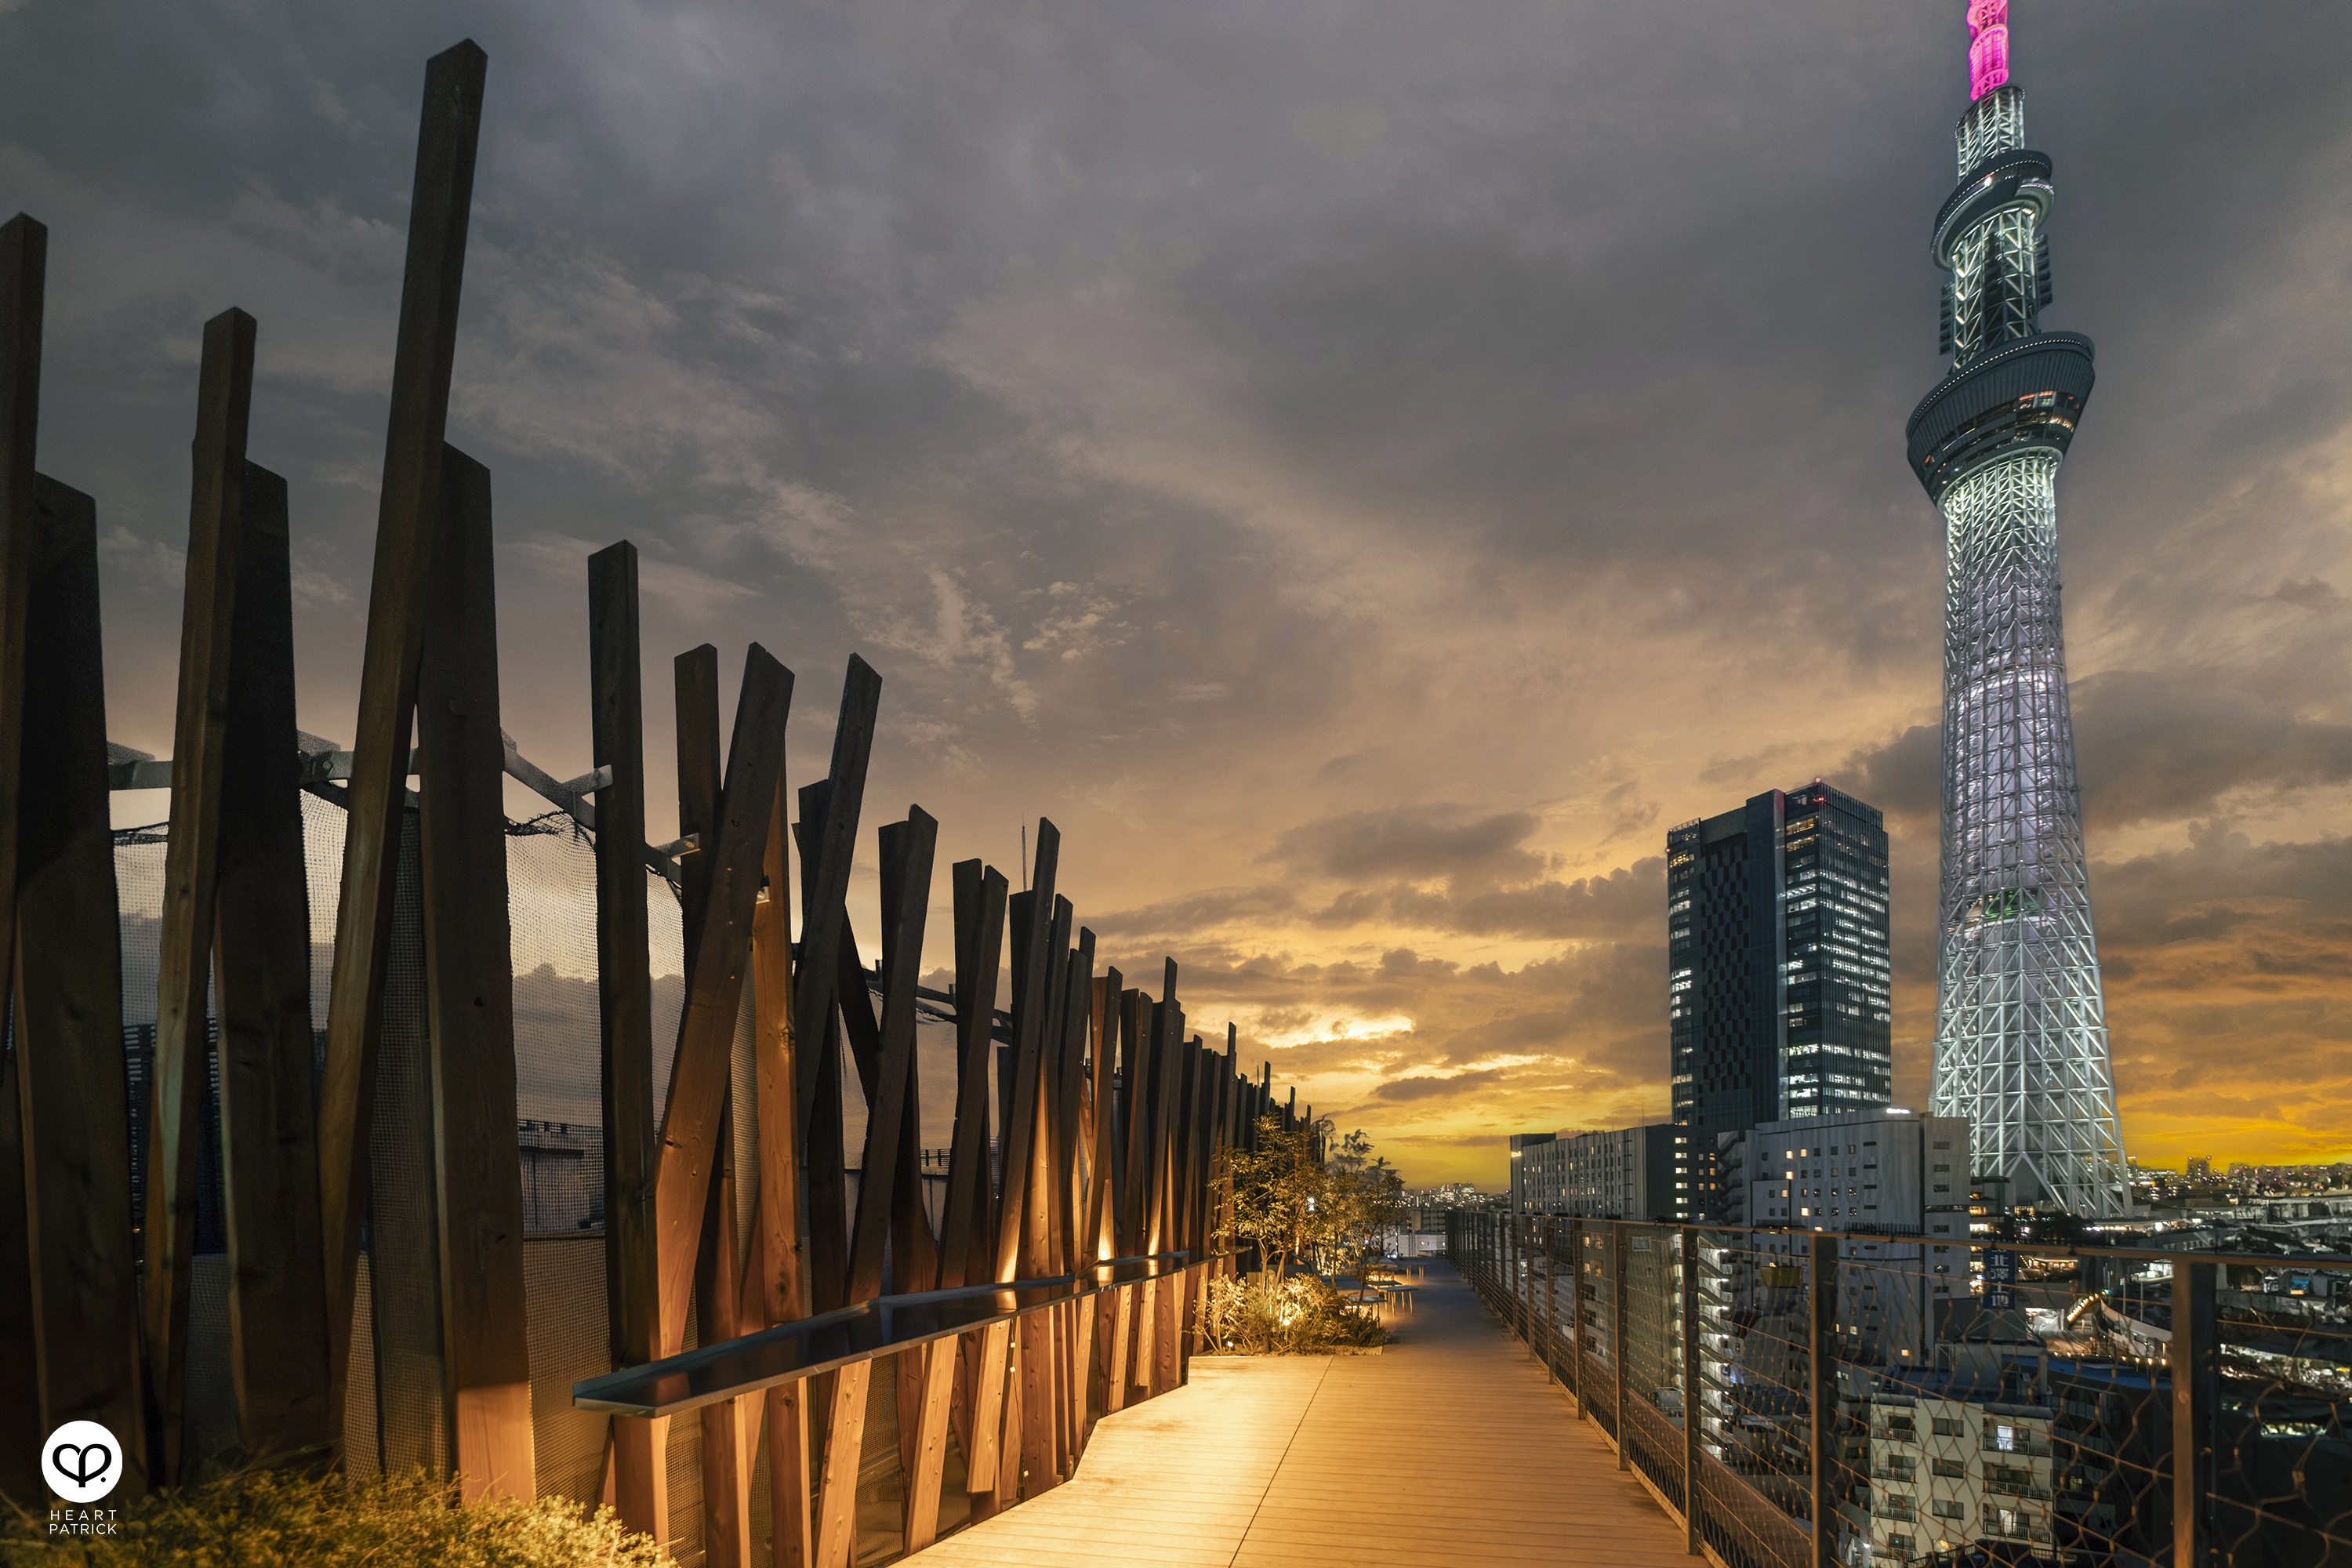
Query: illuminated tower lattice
x=2020 y=1026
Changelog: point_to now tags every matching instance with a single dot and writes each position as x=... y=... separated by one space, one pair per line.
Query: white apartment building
x=1884 y=1172
x=1947 y=1472
x=1625 y=1172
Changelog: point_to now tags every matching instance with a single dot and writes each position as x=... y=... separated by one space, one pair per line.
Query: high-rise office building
x=1776 y=973
x=2020 y=1022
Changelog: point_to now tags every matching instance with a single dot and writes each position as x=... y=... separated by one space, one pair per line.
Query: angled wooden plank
x=1166 y=1122
x=928 y=1472
x=860 y=1024
x=700 y=1070
x=469 y=998
x=967 y=1244
x=718 y=1274
x=825 y=1262
x=914 y=1249
x=74 y=1127
x=20 y=1381
x=24 y=255
x=1031 y=918
x=717 y=1294
x=774 y=1287
x=1041 y=1400
x=836 y=1530
x=980 y=902
x=1137 y=1071
x=1070 y=1149
x=261 y=957
x=624 y=1010
x=773 y=1293
x=695 y=675
x=215 y=527
x=1069 y=1196
x=1010 y=1477
x=907 y=851
x=1101 y=1218
x=824 y=865
x=377 y=796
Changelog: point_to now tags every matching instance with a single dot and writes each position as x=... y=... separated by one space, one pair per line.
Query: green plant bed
x=264 y=1518
x=1255 y=1314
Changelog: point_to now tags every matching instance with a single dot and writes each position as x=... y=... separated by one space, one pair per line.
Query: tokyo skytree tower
x=2021 y=1025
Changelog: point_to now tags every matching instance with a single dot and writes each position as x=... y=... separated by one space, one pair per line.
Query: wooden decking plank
x=1268 y=1461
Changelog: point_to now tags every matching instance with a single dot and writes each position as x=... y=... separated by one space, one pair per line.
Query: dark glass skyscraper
x=1777 y=998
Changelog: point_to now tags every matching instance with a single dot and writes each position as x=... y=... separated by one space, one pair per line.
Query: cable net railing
x=1799 y=1399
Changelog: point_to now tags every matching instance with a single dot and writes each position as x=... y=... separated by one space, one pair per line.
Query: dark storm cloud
x=2148 y=746
x=1427 y=841
x=1401 y=1090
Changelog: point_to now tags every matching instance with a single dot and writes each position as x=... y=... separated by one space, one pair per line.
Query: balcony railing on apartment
x=2115 y=1407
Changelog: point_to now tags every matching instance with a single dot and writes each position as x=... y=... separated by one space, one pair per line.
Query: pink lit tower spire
x=2021 y=1020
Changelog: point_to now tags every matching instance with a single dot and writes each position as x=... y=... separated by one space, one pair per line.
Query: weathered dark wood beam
x=775 y=1277
x=824 y=1262
x=24 y=258
x=718 y=1292
x=625 y=1002
x=1030 y=917
x=824 y=865
x=438 y=208
x=191 y=859
x=979 y=901
x=469 y=996
x=75 y=1121
x=700 y=1070
x=906 y=850
x=261 y=957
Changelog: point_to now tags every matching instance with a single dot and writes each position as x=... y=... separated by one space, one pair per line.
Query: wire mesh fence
x=1858 y=1399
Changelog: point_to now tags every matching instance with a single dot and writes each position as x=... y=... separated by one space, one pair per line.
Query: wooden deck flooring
x=1449 y=1448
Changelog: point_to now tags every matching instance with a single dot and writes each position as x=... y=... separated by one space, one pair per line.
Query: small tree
x=1367 y=1200
x=1281 y=1193
x=1299 y=1207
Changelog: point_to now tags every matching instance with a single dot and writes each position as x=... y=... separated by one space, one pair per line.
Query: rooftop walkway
x=1449 y=1447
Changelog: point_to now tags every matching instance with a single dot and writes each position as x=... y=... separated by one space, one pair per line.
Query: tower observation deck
x=2020 y=1024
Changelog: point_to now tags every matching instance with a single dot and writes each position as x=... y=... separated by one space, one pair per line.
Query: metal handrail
x=1729 y=1501
x=866 y=1331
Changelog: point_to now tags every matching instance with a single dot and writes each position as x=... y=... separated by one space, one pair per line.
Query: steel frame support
x=1821 y=1301
x=2195 y=1357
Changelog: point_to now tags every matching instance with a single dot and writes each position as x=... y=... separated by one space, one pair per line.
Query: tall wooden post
x=67 y=1021
x=701 y=1068
x=377 y=794
x=24 y=252
x=261 y=954
x=469 y=992
x=825 y=871
x=625 y=1002
x=776 y=1253
x=215 y=526
x=907 y=851
x=718 y=1292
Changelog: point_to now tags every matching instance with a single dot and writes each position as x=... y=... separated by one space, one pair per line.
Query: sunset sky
x=1364 y=471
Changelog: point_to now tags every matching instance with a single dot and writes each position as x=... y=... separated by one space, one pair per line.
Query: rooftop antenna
x=1025 y=856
